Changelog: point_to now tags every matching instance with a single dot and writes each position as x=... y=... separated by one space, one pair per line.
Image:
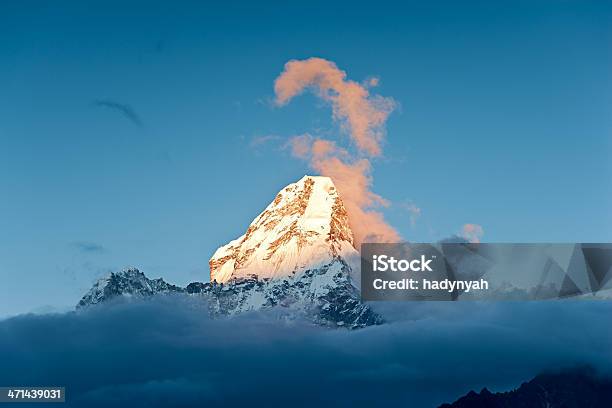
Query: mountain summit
x=296 y=257
x=128 y=282
x=305 y=227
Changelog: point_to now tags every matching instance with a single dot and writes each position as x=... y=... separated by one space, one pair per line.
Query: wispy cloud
x=414 y=212
x=126 y=110
x=259 y=141
x=87 y=246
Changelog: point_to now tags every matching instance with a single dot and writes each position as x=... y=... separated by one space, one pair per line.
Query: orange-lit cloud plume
x=353 y=180
x=363 y=116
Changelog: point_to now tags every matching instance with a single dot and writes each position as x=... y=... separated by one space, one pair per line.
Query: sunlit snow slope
x=305 y=227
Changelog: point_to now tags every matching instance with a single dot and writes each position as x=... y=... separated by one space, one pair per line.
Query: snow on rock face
x=297 y=257
x=305 y=227
x=324 y=296
x=128 y=282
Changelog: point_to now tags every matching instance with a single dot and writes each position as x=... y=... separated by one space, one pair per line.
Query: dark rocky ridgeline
x=324 y=296
x=578 y=388
x=128 y=282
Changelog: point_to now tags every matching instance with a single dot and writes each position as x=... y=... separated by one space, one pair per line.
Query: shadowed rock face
x=580 y=388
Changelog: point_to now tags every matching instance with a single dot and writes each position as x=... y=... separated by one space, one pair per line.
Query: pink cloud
x=300 y=145
x=472 y=232
x=353 y=180
x=372 y=82
x=364 y=116
x=360 y=113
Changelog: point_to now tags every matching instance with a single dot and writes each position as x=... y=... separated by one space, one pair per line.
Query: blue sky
x=505 y=121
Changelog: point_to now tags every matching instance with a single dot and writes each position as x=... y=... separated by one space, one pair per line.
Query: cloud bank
x=168 y=353
x=363 y=116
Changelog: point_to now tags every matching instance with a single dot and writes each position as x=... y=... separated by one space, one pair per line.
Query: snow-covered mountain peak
x=304 y=227
x=296 y=257
x=128 y=282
